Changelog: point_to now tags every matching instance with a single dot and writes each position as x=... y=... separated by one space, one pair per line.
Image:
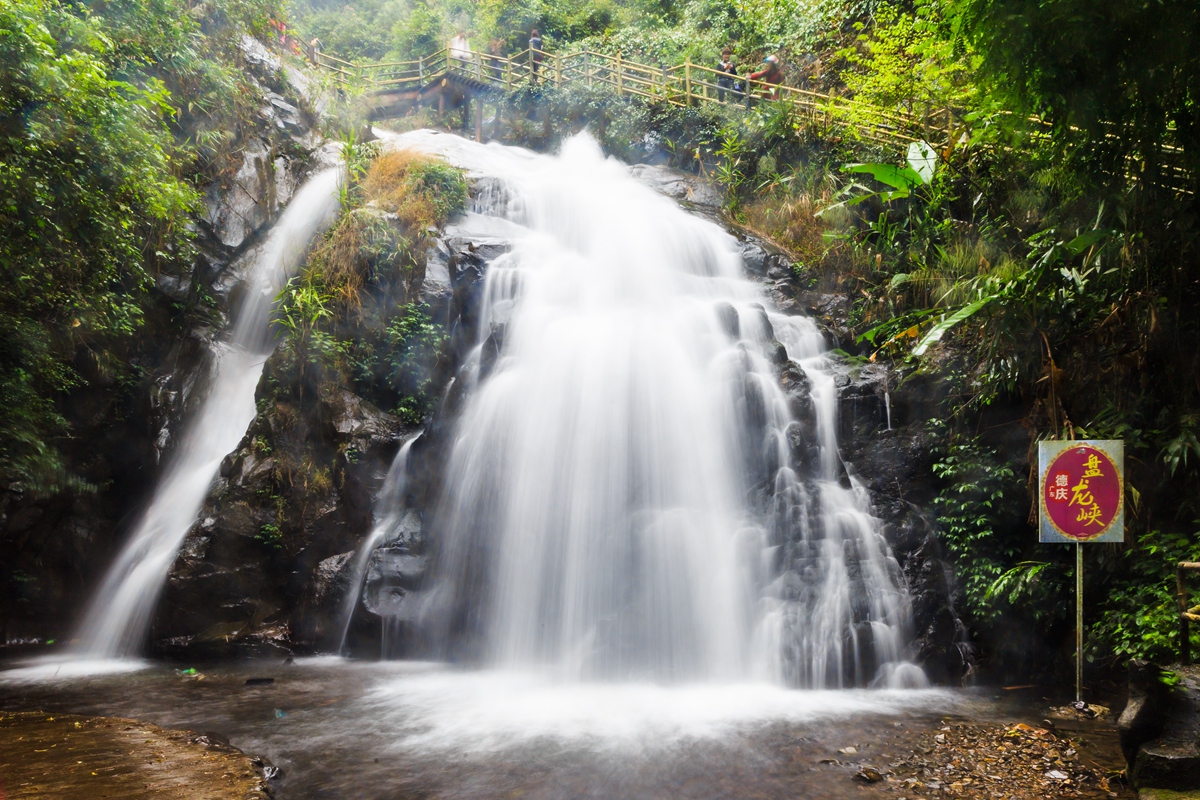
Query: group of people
x=771 y=74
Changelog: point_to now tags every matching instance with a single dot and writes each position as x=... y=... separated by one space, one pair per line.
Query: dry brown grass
x=790 y=222
x=401 y=194
x=389 y=185
x=338 y=261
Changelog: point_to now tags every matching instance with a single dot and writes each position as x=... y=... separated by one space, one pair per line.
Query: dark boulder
x=1145 y=711
x=1160 y=729
x=392 y=573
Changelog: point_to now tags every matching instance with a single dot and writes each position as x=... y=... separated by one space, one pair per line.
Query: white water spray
x=120 y=612
x=618 y=500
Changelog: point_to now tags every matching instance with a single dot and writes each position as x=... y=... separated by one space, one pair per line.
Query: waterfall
x=621 y=498
x=119 y=614
x=389 y=513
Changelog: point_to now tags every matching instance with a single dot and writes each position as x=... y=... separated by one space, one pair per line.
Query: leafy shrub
x=1139 y=614
x=420 y=190
x=91 y=203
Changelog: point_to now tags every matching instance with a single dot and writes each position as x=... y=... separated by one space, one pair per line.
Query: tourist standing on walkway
x=535 y=52
x=727 y=74
x=496 y=57
x=460 y=47
x=771 y=73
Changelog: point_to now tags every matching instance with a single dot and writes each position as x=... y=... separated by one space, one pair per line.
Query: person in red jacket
x=771 y=73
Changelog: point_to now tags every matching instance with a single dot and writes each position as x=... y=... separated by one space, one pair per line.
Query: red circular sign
x=1081 y=492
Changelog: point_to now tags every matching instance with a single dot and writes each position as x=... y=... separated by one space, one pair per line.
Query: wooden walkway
x=687 y=84
x=828 y=115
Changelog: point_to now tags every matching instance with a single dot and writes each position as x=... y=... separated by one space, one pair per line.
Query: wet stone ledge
x=83 y=758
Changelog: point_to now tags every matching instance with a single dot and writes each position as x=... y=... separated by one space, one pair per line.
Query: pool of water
x=349 y=729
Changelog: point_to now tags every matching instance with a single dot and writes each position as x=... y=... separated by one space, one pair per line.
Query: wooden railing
x=1186 y=614
x=687 y=84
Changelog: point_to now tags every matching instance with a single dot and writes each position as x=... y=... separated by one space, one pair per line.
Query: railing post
x=478 y=66
x=687 y=81
x=619 y=79
x=1185 y=644
x=421 y=71
x=587 y=67
x=557 y=71
x=508 y=74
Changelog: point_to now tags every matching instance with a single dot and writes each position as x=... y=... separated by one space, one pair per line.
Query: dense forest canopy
x=668 y=31
x=103 y=112
x=1054 y=252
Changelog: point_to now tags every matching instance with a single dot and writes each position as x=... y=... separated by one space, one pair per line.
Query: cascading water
x=389 y=514
x=120 y=612
x=620 y=500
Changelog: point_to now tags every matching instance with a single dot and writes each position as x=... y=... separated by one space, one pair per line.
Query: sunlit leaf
x=939 y=330
x=922 y=158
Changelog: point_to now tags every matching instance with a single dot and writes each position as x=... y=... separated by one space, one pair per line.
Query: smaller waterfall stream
x=389 y=512
x=121 y=610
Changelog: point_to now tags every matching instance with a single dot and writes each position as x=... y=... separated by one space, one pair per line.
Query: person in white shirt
x=460 y=48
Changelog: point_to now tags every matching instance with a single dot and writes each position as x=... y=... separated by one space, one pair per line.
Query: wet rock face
x=265 y=567
x=680 y=186
x=52 y=550
x=252 y=197
x=895 y=465
x=392 y=573
x=1145 y=712
x=1160 y=729
x=275 y=158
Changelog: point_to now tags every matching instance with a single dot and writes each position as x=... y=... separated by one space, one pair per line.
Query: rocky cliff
x=54 y=549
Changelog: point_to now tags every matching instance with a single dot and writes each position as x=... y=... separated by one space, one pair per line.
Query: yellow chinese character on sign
x=1080 y=495
x=1093 y=467
x=1089 y=516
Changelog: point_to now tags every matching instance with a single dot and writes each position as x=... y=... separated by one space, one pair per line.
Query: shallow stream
x=346 y=729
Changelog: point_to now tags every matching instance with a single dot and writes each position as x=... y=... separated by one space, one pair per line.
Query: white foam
x=59 y=668
x=492 y=711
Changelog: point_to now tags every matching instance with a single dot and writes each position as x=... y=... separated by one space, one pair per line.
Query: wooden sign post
x=1082 y=500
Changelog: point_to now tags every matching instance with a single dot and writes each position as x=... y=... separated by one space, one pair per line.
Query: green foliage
x=440 y=185
x=359 y=31
x=91 y=204
x=912 y=61
x=271 y=536
x=1139 y=614
x=419 y=33
x=346 y=319
x=1121 y=74
x=975 y=511
x=412 y=343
